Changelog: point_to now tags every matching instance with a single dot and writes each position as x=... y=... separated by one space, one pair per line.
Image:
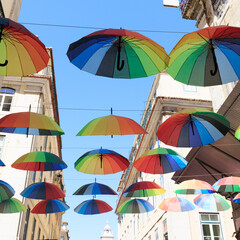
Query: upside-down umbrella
x=2 y=164
x=237 y=133
x=111 y=125
x=237 y=198
x=143 y=189
x=160 y=161
x=135 y=206
x=118 y=53
x=50 y=206
x=43 y=190
x=101 y=161
x=95 y=189
x=212 y=202
x=194 y=186
x=176 y=204
x=29 y=123
x=227 y=184
x=6 y=191
x=207 y=57
x=193 y=127
x=22 y=53
x=11 y=205
x=93 y=206
x=39 y=161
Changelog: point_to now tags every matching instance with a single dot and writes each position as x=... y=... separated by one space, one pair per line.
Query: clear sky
x=83 y=96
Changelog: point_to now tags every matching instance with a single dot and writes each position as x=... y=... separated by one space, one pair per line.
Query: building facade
x=64 y=231
x=168 y=96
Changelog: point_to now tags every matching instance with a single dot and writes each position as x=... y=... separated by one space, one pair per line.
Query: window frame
x=4 y=95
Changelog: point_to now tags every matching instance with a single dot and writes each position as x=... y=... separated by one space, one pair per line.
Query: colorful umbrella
x=176 y=204
x=160 y=161
x=95 y=189
x=227 y=184
x=237 y=198
x=39 y=161
x=135 y=206
x=11 y=205
x=118 y=53
x=207 y=57
x=194 y=186
x=6 y=191
x=111 y=125
x=94 y=206
x=237 y=133
x=50 y=206
x=101 y=161
x=212 y=202
x=143 y=189
x=22 y=53
x=29 y=123
x=193 y=127
x=2 y=164
x=43 y=190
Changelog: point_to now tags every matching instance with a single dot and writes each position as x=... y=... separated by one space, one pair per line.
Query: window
x=39 y=233
x=45 y=143
x=6 y=95
x=26 y=223
x=33 y=229
x=149 y=237
x=165 y=230
x=156 y=234
x=33 y=176
x=211 y=226
x=2 y=139
x=40 y=176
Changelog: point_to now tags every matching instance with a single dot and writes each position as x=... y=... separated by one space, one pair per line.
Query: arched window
x=6 y=95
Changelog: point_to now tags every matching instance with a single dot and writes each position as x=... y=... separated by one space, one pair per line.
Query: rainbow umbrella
x=143 y=189
x=193 y=127
x=39 y=161
x=237 y=198
x=29 y=123
x=237 y=133
x=207 y=57
x=101 y=161
x=2 y=164
x=50 y=206
x=111 y=125
x=160 y=161
x=227 y=184
x=118 y=53
x=6 y=191
x=43 y=190
x=194 y=186
x=91 y=207
x=176 y=204
x=11 y=205
x=135 y=206
x=22 y=53
x=95 y=189
x=212 y=202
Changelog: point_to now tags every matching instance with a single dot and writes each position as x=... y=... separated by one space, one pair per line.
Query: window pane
x=7 y=103
x=207 y=238
x=206 y=230
x=205 y=217
x=214 y=217
x=216 y=230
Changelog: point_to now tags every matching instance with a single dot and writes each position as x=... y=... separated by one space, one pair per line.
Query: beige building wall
x=167 y=96
x=11 y=8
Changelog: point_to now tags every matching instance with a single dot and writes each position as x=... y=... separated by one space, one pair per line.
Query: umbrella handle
x=119 y=67
x=213 y=72
x=4 y=64
x=6 y=61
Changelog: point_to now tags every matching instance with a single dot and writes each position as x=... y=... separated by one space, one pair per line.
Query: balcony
x=190 y=9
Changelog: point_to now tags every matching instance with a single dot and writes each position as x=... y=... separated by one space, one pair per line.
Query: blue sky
x=83 y=97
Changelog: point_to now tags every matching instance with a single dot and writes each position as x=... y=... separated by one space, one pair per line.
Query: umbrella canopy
x=101 y=161
x=22 y=53
x=207 y=57
x=118 y=53
x=43 y=190
x=237 y=198
x=193 y=127
x=95 y=189
x=212 y=202
x=50 y=206
x=2 y=164
x=93 y=206
x=143 y=189
x=237 y=133
x=176 y=204
x=135 y=206
x=227 y=184
x=194 y=186
x=160 y=161
x=29 y=123
x=11 y=205
x=6 y=191
x=111 y=125
x=39 y=161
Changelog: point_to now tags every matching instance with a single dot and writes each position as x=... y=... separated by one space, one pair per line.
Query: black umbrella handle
x=213 y=72
x=6 y=61
x=119 y=67
x=191 y=123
